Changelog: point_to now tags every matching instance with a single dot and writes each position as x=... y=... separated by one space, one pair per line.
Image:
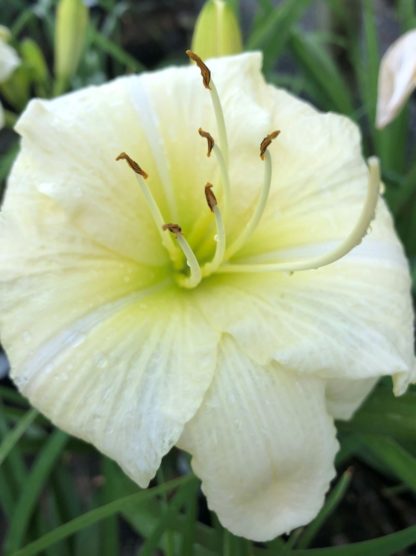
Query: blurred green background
x=59 y=497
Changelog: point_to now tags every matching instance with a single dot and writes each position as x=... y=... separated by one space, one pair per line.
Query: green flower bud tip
x=217 y=31
x=70 y=33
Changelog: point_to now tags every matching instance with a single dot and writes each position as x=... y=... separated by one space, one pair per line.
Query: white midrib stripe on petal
x=70 y=337
x=148 y=118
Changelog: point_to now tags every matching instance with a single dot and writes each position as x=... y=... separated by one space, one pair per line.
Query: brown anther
x=174 y=228
x=209 y=139
x=266 y=142
x=210 y=197
x=133 y=164
x=205 y=72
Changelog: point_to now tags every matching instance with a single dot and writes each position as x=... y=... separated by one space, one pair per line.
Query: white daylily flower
x=136 y=338
x=397 y=78
x=9 y=61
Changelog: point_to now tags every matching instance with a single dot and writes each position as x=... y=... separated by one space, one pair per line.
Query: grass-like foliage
x=58 y=496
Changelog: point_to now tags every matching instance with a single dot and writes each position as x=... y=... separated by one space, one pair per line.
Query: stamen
x=262 y=200
x=195 y=275
x=212 y=266
x=353 y=239
x=133 y=165
x=215 y=99
x=141 y=176
x=210 y=197
x=267 y=141
x=221 y=163
x=209 y=138
x=205 y=72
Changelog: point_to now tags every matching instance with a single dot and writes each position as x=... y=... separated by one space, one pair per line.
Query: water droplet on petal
x=21 y=381
x=26 y=336
x=101 y=360
x=78 y=339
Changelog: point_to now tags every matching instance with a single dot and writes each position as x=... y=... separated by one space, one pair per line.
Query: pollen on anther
x=209 y=138
x=174 y=228
x=205 y=72
x=133 y=164
x=264 y=145
x=210 y=197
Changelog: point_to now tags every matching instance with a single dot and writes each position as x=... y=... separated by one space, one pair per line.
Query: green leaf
x=12 y=438
x=96 y=515
x=6 y=498
x=13 y=468
x=188 y=536
x=11 y=395
x=399 y=197
x=26 y=17
x=383 y=412
x=6 y=162
x=393 y=456
x=33 y=487
x=369 y=69
x=407 y=14
x=389 y=545
x=334 y=498
x=321 y=70
x=271 y=36
x=109 y=527
x=115 y=51
x=152 y=542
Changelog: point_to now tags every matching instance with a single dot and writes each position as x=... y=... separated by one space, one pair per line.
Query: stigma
x=189 y=270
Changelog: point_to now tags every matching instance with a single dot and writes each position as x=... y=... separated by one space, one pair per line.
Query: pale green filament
x=220 y=239
x=158 y=219
x=219 y=116
x=239 y=242
x=224 y=177
x=353 y=239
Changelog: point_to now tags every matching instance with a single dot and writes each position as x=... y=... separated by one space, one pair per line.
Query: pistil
x=352 y=240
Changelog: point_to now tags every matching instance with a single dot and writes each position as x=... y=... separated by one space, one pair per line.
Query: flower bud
x=34 y=58
x=70 y=33
x=397 y=78
x=217 y=31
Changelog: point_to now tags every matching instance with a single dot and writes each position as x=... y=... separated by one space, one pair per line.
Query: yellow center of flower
x=192 y=272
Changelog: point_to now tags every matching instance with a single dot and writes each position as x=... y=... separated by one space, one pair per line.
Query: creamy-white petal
x=125 y=377
x=263 y=445
x=154 y=118
x=351 y=319
x=319 y=183
x=345 y=396
x=100 y=344
x=397 y=78
x=69 y=147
